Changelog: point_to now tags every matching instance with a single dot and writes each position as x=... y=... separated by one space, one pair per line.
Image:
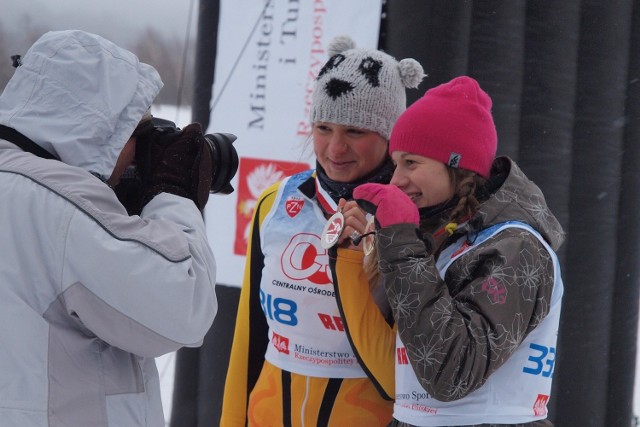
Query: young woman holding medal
x=466 y=247
x=300 y=355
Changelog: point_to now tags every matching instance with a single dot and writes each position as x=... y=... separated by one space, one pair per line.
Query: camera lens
x=225 y=161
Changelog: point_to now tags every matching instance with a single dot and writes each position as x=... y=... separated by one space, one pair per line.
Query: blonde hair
x=370 y=268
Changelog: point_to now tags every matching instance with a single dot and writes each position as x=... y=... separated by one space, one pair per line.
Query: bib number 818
x=281 y=310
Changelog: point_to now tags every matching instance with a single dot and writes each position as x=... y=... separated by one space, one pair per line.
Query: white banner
x=268 y=57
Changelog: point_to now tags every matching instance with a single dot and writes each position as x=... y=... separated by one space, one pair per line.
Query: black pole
x=205 y=61
x=435 y=33
x=624 y=322
x=546 y=129
x=497 y=63
x=592 y=250
x=195 y=391
x=548 y=99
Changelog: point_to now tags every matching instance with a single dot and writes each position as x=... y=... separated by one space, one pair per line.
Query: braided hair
x=466 y=185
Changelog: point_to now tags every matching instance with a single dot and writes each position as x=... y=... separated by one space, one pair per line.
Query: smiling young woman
x=466 y=247
x=299 y=355
x=347 y=153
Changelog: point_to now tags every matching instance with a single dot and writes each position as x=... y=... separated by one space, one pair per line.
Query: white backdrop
x=269 y=54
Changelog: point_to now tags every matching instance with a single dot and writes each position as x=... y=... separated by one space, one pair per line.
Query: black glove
x=175 y=161
x=129 y=191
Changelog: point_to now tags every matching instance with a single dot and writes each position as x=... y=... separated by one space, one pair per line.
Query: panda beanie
x=363 y=88
x=451 y=123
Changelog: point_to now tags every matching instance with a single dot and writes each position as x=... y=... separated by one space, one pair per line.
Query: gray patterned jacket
x=458 y=301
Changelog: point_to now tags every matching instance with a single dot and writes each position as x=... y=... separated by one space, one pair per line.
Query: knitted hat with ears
x=451 y=123
x=363 y=88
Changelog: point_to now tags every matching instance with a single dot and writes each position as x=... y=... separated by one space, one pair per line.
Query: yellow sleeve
x=371 y=337
x=251 y=335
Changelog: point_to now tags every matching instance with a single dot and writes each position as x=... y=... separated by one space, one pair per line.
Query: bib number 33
x=540 y=361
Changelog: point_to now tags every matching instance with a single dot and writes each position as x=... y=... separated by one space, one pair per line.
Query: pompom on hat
x=363 y=88
x=451 y=123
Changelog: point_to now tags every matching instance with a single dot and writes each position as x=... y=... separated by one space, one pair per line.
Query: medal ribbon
x=326 y=202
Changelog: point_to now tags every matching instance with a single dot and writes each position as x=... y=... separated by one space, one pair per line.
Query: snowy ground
x=182 y=116
x=166 y=365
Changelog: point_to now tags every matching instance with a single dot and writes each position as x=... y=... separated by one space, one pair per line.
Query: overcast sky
x=116 y=20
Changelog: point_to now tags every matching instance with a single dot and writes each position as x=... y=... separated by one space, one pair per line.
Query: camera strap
x=25 y=143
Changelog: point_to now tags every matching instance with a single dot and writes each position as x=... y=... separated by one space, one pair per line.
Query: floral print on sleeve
x=460 y=329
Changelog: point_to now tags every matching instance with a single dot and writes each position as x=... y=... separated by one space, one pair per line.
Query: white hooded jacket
x=89 y=295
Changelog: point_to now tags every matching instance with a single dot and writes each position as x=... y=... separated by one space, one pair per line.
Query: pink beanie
x=451 y=123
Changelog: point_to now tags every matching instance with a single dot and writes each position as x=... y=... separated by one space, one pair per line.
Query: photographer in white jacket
x=90 y=295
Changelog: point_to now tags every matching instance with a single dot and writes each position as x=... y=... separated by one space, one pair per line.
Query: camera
x=223 y=154
x=162 y=132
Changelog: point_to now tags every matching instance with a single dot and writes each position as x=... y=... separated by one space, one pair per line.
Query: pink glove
x=388 y=203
